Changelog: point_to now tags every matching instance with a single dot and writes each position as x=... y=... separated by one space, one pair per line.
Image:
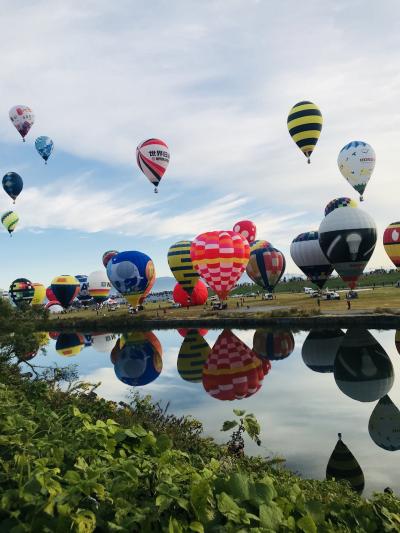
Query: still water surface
x=303 y=387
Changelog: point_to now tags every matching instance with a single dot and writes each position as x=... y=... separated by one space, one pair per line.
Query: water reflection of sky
x=300 y=411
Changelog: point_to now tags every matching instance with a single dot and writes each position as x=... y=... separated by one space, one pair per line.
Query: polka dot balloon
x=247 y=229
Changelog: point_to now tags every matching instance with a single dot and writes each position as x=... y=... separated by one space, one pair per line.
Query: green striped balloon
x=343 y=465
x=192 y=356
x=9 y=219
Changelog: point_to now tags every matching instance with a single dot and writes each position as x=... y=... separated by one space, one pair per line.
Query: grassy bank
x=71 y=461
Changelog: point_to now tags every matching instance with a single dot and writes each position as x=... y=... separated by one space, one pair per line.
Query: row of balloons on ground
x=356 y=159
x=230 y=370
x=345 y=242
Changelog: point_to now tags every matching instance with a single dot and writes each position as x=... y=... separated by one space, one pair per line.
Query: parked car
x=218 y=306
x=331 y=295
x=268 y=296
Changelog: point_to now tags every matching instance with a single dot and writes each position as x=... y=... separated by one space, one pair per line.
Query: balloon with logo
x=307 y=255
x=22 y=118
x=130 y=273
x=181 y=265
x=384 y=425
x=9 y=219
x=109 y=254
x=220 y=258
x=342 y=465
x=39 y=294
x=152 y=157
x=272 y=344
x=65 y=288
x=44 y=146
x=305 y=124
x=197 y=297
x=69 y=344
x=391 y=243
x=83 y=294
x=21 y=292
x=320 y=348
x=103 y=342
x=99 y=286
x=266 y=267
x=233 y=371
x=12 y=184
x=192 y=356
x=343 y=201
x=347 y=237
x=356 y=161
x=247 y=229
x=138 y=361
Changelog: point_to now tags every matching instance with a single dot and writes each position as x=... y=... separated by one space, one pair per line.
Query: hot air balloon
x=308 y=256
x=65 y=288
x=69 y=344
x=233 y=371
x=362 y=369
x=103 y=342
x=44 y=146
x=320 y=348
x=115 y=351
x=23 y=119
x=83 y=294
x=255 y=245
x=384 y=425
x=152 y=157
x=192 y=356
x=339 y=202
x=356 y=162
x=347 y=237
x=220 y=257
x=130 y=273
x=184 y=331
x=54 y=307
x=304 y=125
x=138 y=362
x=99 y=286
x=12 y=184
x=342 y=465
x=39 y=294
x=107 y=256
x=9 y=219
x=21 y=292
x=181 y=265
x=273 y=344
x=147 y=290
x=391 y=243
x=247 y=229
x=51 y=296
x=266 y=267
x=197 y=297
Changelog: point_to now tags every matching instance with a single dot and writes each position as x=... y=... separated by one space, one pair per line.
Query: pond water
x=304 y=388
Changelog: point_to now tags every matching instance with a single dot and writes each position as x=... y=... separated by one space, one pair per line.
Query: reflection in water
x=273 y=344
x=233 y=371
x=138 y=361
x=102 y=342
x=362 y=369
x=320 y=348
x=384 y=425
x=397 y=340
x=192 y=356
x=69 y=344
x=184 y=331
x=342 y=465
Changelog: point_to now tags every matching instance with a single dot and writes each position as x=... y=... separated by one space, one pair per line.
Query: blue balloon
x=138 y=363
x=12 y=184
x=44 y=146
x=83 y=294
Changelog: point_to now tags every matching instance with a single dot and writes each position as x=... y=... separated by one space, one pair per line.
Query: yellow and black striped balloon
x=304 y=125
x=343 y=465
x=193 y=354
x=181 y=265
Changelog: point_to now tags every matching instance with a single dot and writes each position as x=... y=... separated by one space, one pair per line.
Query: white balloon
x=356 y=162
x=23 y=118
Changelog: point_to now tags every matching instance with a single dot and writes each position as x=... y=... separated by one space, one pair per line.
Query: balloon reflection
x=233 y=371
x=273 y=345
x=384 y=425
x=69 y=344
x=320 y=348
x=342 y=465
x=192 y=356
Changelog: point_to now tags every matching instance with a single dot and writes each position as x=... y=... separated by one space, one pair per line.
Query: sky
x=215 y=80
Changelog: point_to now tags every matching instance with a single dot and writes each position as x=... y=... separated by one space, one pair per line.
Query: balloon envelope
x=192 y=356
x=356 y=161
x=305 y=125
x=39 y=294
x=83 y=294
x=107 y=256
x=339 y=202
x=69 y=344
x=342 y=465
x=198 y=297
x=65 y=288
x=103 y=342
x=247 y=229
x=266 y=267
x=12 y=184
x=44 y=146
x=9 y=219
x=272 y=344
x=384 y=425
x=181 y=265
x=307 y=255
x=138 y=362
x=152 y=157
x=220 y=257
x=99 y=286
x=130 y=273
x=255 y=245
x=320 y=348
x=347 y=237
x=21 y=291
x=391 y=243
x=22 y=118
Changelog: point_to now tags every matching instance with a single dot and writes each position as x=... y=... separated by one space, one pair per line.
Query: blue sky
x=215 y=80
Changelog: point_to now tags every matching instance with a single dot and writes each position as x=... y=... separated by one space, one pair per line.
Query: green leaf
x=252 y=427
x=239 y=412
x=85 y=521
x=163 y=502
x=229 y=424
x=307 y=524
x=164 y=443
x=174 y=526
x=197 y=527
x=271 y=516
x=228 y=507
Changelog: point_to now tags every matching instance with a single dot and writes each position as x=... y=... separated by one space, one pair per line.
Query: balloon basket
x=308 y=160
x=361 y=199
x=155 y=190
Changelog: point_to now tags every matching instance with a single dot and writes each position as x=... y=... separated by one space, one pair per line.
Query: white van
x=308 y=290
